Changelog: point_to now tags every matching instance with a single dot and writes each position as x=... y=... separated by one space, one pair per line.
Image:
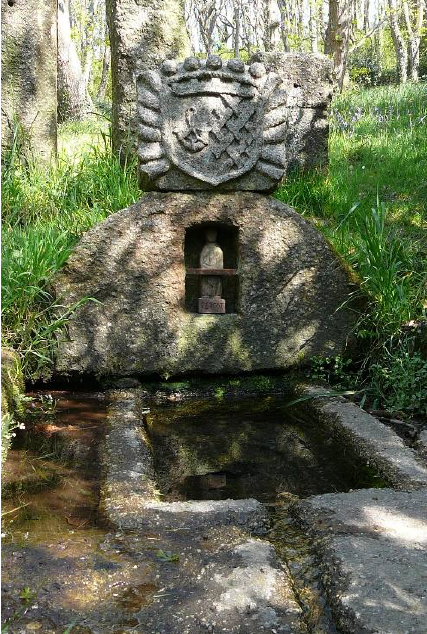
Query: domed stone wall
x=285 y=303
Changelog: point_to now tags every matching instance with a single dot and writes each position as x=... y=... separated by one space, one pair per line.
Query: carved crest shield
x=208 y=122
x=212 y=137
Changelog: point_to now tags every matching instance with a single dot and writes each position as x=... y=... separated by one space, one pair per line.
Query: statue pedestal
x=211 y=305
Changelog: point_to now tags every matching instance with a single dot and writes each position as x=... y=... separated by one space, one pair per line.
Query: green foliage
x=384 y=267
x=262 y=382
x=175 y=386
x=334 y=370
x=27 y=594
x=167 y=556
x=371 y=206
x=45 y=211
x=19 y=148
x=12 y=399
x=219 y=393
x=7 y=426
x=10 y=422
x=373 y=62
x=95 y=80
x=398 y=380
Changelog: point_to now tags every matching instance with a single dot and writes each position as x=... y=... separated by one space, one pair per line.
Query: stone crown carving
x=203 y=124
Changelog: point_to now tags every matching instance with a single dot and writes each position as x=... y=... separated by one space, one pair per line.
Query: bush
x=399 y=381
x=373 y=63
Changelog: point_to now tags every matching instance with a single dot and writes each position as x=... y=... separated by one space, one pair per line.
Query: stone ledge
x=291 y=301
x=371 y=550
x=375 y=443
x=422 y=444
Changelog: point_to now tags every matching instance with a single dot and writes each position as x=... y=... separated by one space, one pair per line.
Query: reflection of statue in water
x=211 y=257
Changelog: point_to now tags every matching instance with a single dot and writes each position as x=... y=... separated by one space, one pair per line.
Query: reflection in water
x=247 y=448
x=75 y=569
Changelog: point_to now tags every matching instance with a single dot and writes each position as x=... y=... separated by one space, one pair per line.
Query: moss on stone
x=12 y=396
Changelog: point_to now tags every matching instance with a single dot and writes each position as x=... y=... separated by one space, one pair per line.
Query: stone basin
x=222 y=464
x=247 y=448
x=228 y=514
x=211 y=459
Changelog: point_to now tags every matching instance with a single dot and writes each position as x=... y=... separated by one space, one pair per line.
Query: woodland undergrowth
x=371 y=205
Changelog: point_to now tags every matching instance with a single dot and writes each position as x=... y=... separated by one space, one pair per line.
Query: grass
x=370 y=204
x=45 y=211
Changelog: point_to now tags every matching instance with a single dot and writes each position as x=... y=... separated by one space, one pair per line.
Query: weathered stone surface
x=289 y=306
x=372 y=549
x=214 y=119
x=227 y=579
x=372 y=441
x=142 y=34
x=29 y=51
x=422 y=443
x=304 y=95
x=12 y=393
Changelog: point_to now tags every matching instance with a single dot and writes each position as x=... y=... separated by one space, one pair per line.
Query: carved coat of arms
x=205 y=123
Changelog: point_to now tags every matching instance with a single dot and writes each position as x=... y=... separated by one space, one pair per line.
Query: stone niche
x=29 y=71
x=228 y=240
x=288 y=302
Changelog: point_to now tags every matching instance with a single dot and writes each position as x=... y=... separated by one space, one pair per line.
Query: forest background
x=370 y=203
x=371 y=42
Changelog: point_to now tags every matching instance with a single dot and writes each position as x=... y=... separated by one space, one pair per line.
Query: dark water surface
x=63 y=569
x=52 y=472
x=255 y=447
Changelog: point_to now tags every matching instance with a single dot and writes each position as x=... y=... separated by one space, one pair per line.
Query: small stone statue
x=211 y=257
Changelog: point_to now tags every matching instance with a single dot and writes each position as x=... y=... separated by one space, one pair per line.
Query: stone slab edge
x=422 y=444
x=129 y=495
x=335 y=524
x=376 y=444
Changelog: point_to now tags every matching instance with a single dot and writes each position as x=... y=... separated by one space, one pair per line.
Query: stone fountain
x=207 y=273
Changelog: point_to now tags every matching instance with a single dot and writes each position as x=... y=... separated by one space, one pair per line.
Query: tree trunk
x=284 y=26
x=104 y=75
x=366 y=8
x=337 y=37
x=419 y=21
x=266 y=20
x=87 y=72
x=206 y=13
x=313 y=26
x=88 y=40
x=414 y=37
x=271 y=25
x=398 y=42
x=300 y=23
x=236 y=39
x=73 y=100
